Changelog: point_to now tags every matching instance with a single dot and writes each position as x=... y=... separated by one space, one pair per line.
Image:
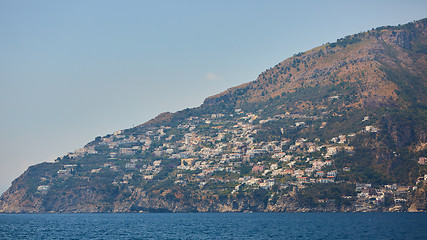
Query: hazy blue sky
x=74 y=70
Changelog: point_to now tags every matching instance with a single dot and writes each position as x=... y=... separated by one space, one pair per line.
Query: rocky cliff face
x=303 y=136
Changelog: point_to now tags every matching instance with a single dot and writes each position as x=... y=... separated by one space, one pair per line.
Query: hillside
x=341 y=127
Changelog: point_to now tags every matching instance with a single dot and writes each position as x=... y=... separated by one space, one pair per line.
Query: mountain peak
x=357 y=60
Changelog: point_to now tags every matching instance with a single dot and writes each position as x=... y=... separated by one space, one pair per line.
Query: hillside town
x=340 y=127
x=222 y=150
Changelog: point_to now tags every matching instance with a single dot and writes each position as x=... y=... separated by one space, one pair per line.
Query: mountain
x=341 y=127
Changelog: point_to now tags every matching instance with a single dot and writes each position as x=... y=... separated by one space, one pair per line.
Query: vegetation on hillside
x=341 y=127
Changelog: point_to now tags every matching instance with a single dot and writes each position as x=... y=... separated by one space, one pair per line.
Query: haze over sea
x=215 y=226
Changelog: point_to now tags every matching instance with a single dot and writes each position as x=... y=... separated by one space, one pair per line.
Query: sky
x=74 y=70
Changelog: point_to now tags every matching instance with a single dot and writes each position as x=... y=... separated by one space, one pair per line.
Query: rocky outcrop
x=140 y=201
x=419 y=199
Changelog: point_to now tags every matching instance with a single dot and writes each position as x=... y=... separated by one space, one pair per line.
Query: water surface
x=215 y=226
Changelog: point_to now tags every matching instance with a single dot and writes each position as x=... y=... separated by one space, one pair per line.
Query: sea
x=214 y=226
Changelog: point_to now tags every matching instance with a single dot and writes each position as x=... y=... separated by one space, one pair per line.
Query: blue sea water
x=215 y=226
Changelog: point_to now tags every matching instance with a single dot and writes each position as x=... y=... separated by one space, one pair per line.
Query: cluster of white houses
x=216 y=143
